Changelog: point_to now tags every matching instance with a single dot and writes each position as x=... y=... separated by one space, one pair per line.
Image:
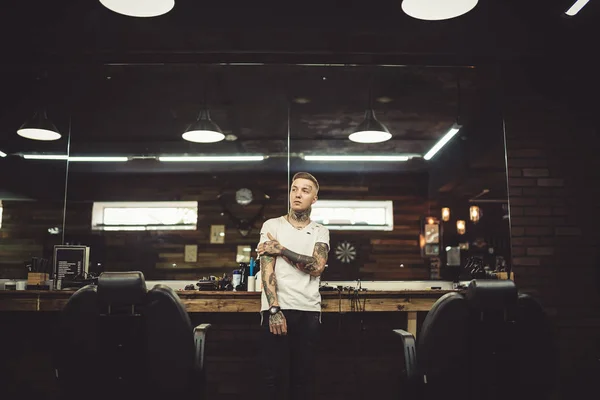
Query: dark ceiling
x=130 y=86
x=62 y=31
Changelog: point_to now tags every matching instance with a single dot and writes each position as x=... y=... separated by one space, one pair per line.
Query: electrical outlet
x=191 y=253
x=217 y=234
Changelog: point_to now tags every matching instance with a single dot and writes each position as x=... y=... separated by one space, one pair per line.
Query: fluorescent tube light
x=73 y=158
x=210 y=158
x=442 y=142
x=363 y=158
x=2 y=154
x=45 y=157
x=576 y=7
x=98 y=159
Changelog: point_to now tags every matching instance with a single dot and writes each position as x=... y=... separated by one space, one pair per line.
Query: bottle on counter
x=236 y=279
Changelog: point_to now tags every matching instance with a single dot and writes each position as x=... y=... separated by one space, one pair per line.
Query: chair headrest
x=492 y=294
x=122 y=287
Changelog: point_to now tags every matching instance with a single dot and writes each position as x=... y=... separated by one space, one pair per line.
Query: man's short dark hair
x=306 y=175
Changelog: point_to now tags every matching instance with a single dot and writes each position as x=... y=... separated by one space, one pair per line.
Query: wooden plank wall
x=24 y=234
x=381 y=255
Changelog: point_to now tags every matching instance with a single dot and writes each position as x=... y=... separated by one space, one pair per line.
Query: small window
x=145 y=216
x=354 y=215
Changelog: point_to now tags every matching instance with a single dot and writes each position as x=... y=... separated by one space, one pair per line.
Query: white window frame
x=98 y=215
x=386 y=205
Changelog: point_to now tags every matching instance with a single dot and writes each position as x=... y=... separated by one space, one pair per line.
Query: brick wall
x=553 y=173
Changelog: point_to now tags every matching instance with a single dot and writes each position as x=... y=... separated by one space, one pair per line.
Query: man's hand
x=271 y=247
x=278 y=324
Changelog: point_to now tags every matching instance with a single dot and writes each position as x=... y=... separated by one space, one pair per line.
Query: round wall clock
x=243 y=196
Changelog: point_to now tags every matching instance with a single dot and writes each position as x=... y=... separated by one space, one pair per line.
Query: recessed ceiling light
x=576 y=7
x=436 y=10
x=139 y=8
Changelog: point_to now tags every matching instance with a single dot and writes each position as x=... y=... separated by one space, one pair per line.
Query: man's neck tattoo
x=301 y=217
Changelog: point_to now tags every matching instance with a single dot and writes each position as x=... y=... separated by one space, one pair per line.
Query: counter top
x=212 y=301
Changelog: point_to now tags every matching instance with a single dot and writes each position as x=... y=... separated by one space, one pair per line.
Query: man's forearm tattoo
x=312 y=265
x=269 y=279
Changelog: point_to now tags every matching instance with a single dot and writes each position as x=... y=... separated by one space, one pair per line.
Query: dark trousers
x=298 y=348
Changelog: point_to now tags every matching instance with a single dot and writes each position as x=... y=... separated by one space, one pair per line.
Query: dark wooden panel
x=160 y=254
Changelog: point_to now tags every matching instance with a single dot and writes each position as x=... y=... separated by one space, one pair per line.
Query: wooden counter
x=409 y=301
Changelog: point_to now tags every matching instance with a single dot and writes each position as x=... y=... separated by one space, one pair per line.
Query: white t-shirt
x=296 y=290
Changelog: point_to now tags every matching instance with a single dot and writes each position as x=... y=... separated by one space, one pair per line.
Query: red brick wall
x=554 y=172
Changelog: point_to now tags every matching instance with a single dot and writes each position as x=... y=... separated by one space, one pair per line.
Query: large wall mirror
x=391 y=147
x=177 y=167
x=173 y=168
x=34 y=134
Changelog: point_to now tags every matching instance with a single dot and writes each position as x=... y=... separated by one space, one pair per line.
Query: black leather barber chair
x=118 y=339
x=489 y=342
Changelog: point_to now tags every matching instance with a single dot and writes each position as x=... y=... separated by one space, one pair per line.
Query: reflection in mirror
x=244 y=253
x=381 y=196
x=33 y=170
x=154 y=189
x=468 y=187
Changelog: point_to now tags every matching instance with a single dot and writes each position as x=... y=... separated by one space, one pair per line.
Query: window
x=142 y=216
x=354 y=215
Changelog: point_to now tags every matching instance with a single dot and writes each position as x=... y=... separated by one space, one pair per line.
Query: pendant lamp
x=204 y=130
x=139 y=8
x=436 y=10
x=39 y=127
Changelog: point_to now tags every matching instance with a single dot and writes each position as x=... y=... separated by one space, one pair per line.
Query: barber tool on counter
x=213 y=283
x=208 y=284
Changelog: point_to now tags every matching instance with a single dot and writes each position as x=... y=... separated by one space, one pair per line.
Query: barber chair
x=119 y=339
x=489 y=342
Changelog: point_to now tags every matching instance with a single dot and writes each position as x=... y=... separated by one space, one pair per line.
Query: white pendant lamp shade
x=370 y=130
x=139 y=8
x=39 y=127
x=204 y=130
x=436 y=10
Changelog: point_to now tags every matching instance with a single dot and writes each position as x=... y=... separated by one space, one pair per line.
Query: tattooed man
x=293 y=253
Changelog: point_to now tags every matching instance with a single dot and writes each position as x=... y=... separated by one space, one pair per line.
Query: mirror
x=244 y=253
x=468 y=187
x=172 y=208
x=32 y=172
x=383 y=194
x=376 y=208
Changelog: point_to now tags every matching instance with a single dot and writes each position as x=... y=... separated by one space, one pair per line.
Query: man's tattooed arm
x=277 y=322
x=269 y=281
x=312 y=265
